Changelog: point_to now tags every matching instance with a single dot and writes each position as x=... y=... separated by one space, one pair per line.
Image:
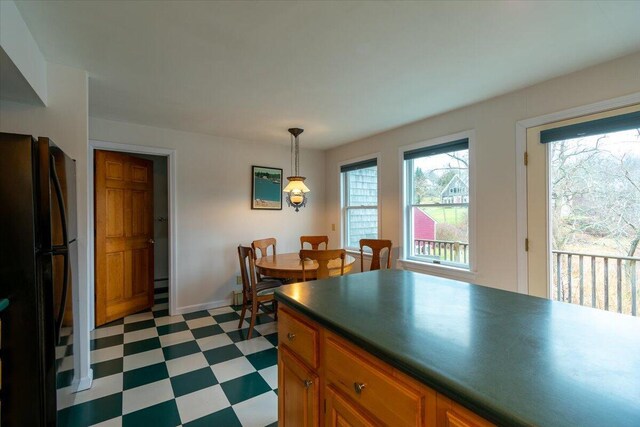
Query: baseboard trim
x=206 y=306
x=83 y=383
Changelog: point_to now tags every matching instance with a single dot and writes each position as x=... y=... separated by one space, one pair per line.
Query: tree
x=421 y=183
x=596 y=193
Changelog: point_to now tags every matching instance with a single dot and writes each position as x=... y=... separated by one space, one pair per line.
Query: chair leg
x=244 y=310
x=254 y=311
x=275 y=310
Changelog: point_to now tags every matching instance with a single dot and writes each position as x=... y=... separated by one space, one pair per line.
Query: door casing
x=172 y=198
x=521 y=172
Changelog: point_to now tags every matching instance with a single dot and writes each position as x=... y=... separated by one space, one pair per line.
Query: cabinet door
x=298 y=392
x=450 y=414
x=340 y=412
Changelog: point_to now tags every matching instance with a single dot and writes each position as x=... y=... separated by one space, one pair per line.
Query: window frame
x=344 y=194
x=407 y=260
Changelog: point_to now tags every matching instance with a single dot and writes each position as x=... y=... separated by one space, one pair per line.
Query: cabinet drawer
x=374 y=388
x=299 y=336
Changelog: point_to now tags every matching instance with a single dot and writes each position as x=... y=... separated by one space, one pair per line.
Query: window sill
x=356 y=253
x=438 y=270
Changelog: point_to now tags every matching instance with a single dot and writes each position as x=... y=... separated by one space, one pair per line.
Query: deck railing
x=601 y=281
x=443 y=249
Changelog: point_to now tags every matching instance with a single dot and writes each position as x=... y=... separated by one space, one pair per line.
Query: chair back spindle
x=323 y=258
x=314 y=241
x=262 y=246
x=377 y=246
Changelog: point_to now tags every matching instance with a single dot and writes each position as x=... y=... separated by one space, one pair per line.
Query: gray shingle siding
x=363 y=190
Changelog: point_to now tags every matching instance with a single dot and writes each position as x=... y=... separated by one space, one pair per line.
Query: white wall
x=214 y=212
x=65 y=121
x=494 y=122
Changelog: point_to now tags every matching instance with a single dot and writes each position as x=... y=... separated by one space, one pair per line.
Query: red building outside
x=424 y=227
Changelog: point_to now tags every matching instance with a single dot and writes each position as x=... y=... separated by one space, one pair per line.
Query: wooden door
x=299 y=392
x=340 y=412
x=124 y=235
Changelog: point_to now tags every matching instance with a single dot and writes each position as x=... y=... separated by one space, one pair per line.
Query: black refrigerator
x=38 y=257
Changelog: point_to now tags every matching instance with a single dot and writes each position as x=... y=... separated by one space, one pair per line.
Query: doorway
x=170 y=224
x=583 y=207
x=160 y=233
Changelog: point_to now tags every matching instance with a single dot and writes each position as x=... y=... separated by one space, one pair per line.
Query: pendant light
x=295 y=189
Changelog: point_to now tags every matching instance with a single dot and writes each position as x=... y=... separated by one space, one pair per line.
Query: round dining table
x=289 y=266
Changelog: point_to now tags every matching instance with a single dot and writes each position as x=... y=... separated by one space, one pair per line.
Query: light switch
x=333 y=227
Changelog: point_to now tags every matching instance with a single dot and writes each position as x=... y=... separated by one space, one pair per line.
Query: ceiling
x=341 y=70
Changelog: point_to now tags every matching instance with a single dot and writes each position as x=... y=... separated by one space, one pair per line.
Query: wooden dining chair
x=255 y=293
x=314 y=241
x=262 y=246
x=377 y=246
x=322 y=257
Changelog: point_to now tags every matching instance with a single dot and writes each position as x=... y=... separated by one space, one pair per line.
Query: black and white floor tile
x=152 y=369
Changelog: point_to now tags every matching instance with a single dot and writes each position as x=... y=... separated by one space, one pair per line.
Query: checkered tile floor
x=197 y=369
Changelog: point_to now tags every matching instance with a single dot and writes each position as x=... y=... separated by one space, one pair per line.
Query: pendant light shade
x=296 y=189
x=296 y=183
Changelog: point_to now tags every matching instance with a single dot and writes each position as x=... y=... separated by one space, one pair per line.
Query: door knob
x=291 y=336
x=307 y=383
x=152 y=241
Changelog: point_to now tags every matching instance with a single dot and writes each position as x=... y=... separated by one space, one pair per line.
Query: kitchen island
x=435 y=351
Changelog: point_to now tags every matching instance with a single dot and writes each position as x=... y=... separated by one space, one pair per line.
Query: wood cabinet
x=325 y=380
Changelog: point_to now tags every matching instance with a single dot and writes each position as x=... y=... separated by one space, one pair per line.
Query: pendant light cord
x=292 y=153
x=297 y=157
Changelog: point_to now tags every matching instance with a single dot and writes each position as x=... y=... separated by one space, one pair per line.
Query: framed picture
x=266 y=188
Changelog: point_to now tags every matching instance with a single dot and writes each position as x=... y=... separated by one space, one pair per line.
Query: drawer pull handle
x=291 y=336
x=307 y=383
x=358 y=387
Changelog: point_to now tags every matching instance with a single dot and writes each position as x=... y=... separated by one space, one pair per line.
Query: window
x=438 y=192
x=359 y=202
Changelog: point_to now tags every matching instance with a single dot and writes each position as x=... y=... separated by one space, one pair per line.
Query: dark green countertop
x=514 y=359
x=4 y=303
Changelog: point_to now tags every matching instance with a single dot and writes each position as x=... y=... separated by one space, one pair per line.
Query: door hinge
x=526 y=245
x=526 y=158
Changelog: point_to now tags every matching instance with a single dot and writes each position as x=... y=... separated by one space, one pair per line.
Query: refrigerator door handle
x=63 y=296
x=58 y=189
x=63 y=249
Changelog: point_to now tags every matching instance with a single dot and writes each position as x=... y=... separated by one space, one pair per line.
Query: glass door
x=583 y=210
